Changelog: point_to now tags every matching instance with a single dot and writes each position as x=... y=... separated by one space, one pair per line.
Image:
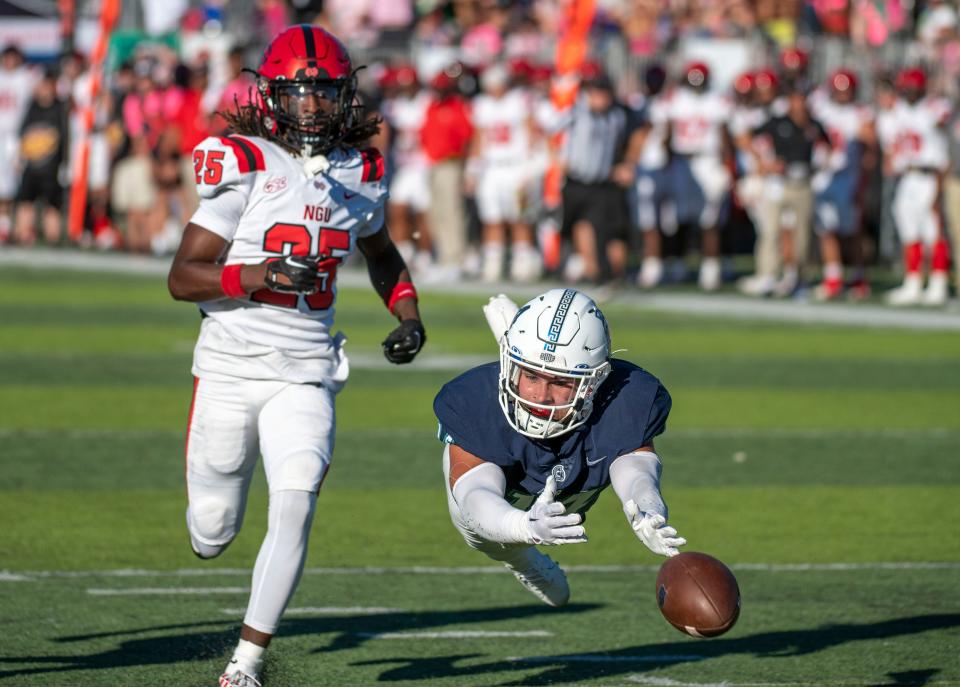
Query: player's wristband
x=230 y=281
x=403 y=289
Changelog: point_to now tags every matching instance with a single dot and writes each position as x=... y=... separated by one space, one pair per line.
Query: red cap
x=406 y=75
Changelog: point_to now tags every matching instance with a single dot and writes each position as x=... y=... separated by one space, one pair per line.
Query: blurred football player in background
x=405 y=111
x=501 y=146
x=530 y=443
x=699 y=142
x=838 y=186
x=282 y=205
x=918 y=150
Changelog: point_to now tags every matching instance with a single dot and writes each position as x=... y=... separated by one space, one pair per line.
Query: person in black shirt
x=787 y=148
x=43 y=149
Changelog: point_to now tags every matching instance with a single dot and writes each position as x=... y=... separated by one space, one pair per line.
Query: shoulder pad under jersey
x=220 y=162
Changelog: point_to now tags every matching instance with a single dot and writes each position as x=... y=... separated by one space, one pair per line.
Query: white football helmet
x=560 y=333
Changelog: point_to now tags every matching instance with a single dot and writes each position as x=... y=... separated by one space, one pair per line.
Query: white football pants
x=292 y=427
x=914 y=208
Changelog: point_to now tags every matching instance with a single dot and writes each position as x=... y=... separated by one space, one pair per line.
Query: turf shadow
x=564 y=669
x=181 y=646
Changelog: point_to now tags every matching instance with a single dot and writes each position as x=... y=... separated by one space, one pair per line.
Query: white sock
x=247 y=657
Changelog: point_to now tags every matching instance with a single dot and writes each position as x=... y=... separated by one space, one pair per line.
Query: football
x=698 y=594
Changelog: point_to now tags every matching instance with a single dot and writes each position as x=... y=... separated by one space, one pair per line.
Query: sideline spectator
x=601 y=151
x=44 y=148
x=786 y=150
x=16 y=84
x=446 y=137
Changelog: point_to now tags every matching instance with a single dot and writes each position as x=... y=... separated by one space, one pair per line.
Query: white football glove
x=500 y=312
x=546 y=522
x=653 y=530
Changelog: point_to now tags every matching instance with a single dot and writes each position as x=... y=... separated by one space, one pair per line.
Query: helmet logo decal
x=547 y=357
x=553 y=333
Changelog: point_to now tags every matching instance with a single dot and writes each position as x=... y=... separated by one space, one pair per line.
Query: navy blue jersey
x=629 y=410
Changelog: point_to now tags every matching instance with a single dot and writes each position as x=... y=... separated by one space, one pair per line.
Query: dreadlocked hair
x=251 y=120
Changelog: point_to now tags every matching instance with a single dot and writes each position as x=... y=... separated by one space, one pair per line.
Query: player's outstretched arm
x=478 y=487
x=636 y=480
x=391 y=279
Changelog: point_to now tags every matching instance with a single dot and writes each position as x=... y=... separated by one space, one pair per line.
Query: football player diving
x=531 y=441
x=284 y=200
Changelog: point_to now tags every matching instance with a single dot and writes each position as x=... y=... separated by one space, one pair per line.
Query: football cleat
x=859 y=290
x=710 y=274
x=937 y=290
x=541 y=575
x=828 y=290
x=238 y=678
x=651 y=273
x=908 y=293
x=757 y=285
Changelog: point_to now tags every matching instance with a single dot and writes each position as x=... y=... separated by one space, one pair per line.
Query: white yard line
x=34 y=575
x=682 y=433
x=710 y=305
x=326 y=610
x=168 y=591
x=668 y=682
x=453 y=634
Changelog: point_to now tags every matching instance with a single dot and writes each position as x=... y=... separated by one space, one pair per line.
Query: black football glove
x=404 y=342
x=293 y=274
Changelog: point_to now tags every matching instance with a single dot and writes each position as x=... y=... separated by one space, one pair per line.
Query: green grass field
x=820 y=462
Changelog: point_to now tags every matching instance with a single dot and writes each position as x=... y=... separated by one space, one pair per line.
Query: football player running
x=530 y=443
x=284 y=200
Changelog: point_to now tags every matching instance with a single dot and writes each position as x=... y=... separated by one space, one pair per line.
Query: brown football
x=698 y=594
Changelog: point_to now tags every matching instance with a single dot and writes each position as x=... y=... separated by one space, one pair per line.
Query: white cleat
x=908 y=293
x=238 y=678
x=651 y=273
x=710 y=274
x=541 y=575
x=757 y=285
x=937 y=290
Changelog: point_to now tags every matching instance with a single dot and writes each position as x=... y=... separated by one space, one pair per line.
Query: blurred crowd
x=820 y=137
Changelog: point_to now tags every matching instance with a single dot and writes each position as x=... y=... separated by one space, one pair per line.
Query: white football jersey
x=843 y=122
x=258 y=197
x=16 y=90
x=697 y=121
x=919 y=136
x=504 y=126
x=406 y=117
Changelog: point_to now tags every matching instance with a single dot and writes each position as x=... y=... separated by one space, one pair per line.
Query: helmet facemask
x=537 y=420
x=311 y=116
x=560 y=335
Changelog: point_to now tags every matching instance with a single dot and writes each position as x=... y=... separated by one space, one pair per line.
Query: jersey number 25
x=294 y=239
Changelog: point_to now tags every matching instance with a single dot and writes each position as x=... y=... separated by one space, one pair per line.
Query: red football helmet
x=794 y=60
x=766 y=79
x=843 y=81
x=911 y=79
x=308 y=88
x=744 y=84
x=696 y=74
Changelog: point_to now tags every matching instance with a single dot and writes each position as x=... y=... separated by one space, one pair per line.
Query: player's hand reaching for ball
x=547 y=523
x=652 y=529
x=293 y=274
x=403 y=343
